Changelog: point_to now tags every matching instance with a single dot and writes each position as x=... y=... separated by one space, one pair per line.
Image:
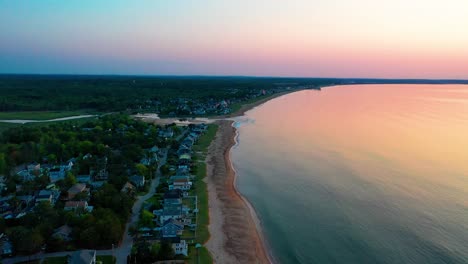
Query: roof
x=172 y=210
x=44 y=194
x=83 y=257
x=76 y=204
x=65 y=229
x=77 y=188
x=128 y=186
x=173 y=194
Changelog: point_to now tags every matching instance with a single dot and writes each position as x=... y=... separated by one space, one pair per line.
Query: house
x=128 y=188
x=26 y=175
x=183 y=150
x=87 y=156
x=83 y=257
x=173 y=197
x=166 y=133
x=48 y=195
x=180 y=183
x=154 y=150
x=63 y=233
x=172 y=228
x=183 y=164
x=56 y=174
x=185 y=156
x=179 y=246
x=81 y=206
x=67 y=166
x=101 y=175
x=33 y=166
x=173 y=211
x=83 y=178
x=76 y=189
x=137 y=180
x=7 y=247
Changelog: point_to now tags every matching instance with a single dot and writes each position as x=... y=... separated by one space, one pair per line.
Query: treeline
x=109 y=93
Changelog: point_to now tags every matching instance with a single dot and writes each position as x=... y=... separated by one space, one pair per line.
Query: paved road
x=124 y=249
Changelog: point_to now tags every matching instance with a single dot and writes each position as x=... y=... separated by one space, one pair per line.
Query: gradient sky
x=310 y=38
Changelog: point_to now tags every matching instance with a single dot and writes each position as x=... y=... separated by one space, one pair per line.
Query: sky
x=302 y=38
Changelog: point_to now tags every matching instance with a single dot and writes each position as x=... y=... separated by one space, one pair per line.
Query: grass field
x=201 y=191
x=204 y=256
x=40 y=115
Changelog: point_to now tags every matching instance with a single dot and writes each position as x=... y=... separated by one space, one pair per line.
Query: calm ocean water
x=360 y=174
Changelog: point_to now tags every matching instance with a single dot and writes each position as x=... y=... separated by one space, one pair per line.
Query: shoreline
x=266 y=249
x=223 y=195
x=233 y=227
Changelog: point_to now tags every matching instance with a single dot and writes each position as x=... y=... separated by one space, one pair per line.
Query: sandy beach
x=234 y=235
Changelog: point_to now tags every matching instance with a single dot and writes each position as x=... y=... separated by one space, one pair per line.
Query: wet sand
x=234 y=234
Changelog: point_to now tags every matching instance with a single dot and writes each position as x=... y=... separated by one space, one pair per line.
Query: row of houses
x=175 y=216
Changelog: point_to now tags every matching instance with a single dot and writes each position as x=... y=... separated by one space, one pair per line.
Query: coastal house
x=172 y=228
x=185 y=156
x=173 y=211
x=183 y=150
x=83 y=257
x=179 y=246
x=180 y=183
x=138 y=180
x=173 y=197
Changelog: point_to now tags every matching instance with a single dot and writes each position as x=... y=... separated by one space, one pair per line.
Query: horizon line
x=226 y=76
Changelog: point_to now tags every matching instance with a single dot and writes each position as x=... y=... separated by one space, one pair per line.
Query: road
x=124 y=249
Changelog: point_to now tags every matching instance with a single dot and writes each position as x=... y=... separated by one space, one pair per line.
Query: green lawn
x=205 y=140
x=201 y=191
x=40 y=115
x=106 y=259
x=204 y=256
x=55 y=260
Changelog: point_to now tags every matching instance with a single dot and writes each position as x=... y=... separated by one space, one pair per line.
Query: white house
x=180 y=247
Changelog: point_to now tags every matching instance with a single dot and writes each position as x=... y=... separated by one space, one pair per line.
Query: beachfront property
x=180 y=183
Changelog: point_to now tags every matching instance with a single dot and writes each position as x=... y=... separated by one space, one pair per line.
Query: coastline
x=233 y=225
x=247 y=107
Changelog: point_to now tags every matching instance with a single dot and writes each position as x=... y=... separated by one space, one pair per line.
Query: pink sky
x=333 y=38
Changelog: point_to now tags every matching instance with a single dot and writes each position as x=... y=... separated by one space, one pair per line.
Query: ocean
x=359 y=174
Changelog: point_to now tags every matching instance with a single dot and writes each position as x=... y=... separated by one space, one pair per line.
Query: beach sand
x=234 y=234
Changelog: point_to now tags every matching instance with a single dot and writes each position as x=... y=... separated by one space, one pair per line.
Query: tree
x=26 y=241
x=166 y=251
x=142 y=169
x=3 y=164
x=146 y=219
